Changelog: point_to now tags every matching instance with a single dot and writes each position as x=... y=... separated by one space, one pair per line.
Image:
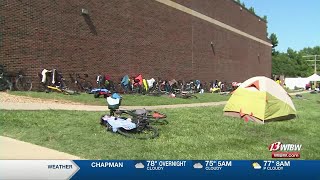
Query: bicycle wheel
x=70 y=92
x=87 y=86
x=193 y=96
x=155 y=93
x=96 y=95
x=5 y=84
x=158 y=121
x=24 y=83
x=188 y=96
x=148 y=132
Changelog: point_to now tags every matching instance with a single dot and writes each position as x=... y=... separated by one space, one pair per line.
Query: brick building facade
x=181 y=39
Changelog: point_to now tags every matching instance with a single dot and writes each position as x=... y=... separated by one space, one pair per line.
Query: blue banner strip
x=187 y=169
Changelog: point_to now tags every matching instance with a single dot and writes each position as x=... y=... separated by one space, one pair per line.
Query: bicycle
x=151 y=116
x=81 y=83
x=154 y=117
x=137 y=125
x=184 y=90
x=188 y=87
x=5 y=83
x=63 y=90
x=186 y=96
x=58 y=85
x=142 y=129
x=23 y=83
x=155 y=90
x=11 y=80
x=159 y=88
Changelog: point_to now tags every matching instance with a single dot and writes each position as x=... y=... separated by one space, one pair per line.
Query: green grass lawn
x=193 y=133
x=128 y=100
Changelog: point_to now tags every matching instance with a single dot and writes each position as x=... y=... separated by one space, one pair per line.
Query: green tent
x=260 y=99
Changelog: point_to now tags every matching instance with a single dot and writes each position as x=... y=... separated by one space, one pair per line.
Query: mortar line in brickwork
x=211 y=20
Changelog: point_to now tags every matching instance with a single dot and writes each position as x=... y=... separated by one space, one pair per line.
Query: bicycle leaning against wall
x=11 y=80
x=81 y=84
x=22 y=82
x=53 y=81
x=5 y=83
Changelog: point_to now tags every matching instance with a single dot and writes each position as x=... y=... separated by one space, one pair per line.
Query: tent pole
x=315 y=71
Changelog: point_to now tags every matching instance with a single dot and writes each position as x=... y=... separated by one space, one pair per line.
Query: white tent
x=291 y=83
x=314 y=77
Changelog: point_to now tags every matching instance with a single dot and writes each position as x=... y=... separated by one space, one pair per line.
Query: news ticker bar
x=101 y=169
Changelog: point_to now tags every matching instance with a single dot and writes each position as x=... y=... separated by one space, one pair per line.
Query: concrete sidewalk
x=56 y=106
x=15 y=149
x=18 y=103
x=299 y=92
x=80 y=107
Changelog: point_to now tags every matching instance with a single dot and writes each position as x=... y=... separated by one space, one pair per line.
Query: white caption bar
x=37 y=169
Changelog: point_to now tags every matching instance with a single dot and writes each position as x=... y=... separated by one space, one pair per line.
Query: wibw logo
x=278 y=146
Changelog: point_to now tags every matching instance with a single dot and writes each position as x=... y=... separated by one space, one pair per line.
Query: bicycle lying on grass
x=62 y=90
x=153 y=117
x=185 y=95
x=178 y=93
x=138 y=128
x=137 y=123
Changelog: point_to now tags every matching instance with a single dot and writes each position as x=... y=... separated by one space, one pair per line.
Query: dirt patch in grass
x=6 y=97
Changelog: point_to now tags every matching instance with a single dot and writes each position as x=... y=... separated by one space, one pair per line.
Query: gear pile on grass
x=135 y=123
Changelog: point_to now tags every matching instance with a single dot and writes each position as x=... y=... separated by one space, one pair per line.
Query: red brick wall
x=129 y=37
x=229 y=12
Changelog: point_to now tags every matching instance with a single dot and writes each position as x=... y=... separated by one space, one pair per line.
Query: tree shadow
x=90 y=24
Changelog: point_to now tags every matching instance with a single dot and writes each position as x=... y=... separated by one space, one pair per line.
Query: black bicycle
x=143 y=129
x=185 y=95
x=141 y=118
x=159 y=87
x=22 y=82
x=5 y=83
x=12 y=80
x=153 y=117
x=59 y=84
x=81 y=84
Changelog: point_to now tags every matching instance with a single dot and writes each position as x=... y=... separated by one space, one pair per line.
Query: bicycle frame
x=80 y=82
x=7 y=84
x=17 y=81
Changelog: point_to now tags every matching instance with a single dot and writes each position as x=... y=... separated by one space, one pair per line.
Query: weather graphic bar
x=134 y=169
